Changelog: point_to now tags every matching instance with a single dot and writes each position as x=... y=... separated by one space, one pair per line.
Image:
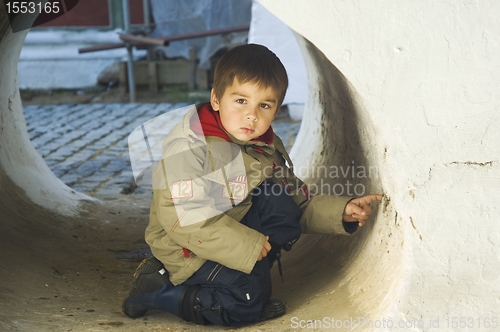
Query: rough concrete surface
x=424 y=79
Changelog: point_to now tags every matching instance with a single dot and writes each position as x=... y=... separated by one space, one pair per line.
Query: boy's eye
x=266 y=106
x=240 y=101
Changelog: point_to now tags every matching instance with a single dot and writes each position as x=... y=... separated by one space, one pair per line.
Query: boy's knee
x=190 y=309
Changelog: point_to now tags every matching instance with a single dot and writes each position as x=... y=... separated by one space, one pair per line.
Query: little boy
x=225 y=203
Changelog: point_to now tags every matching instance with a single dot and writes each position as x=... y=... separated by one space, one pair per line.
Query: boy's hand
x=358 y=209
x=265 y=249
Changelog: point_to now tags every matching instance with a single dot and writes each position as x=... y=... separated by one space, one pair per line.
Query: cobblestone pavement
x=85 y=145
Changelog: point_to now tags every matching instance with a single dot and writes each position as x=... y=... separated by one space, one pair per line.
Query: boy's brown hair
x=251 y=63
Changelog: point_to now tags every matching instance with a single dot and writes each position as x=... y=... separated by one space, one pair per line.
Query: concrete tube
x=420 y=261
x=334 y=263
x=425 y=86
x=19 y=161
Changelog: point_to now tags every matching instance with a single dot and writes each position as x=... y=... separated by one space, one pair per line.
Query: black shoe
x=149 y=276
x=274 y=308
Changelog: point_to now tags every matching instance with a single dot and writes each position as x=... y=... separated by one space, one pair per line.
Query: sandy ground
x=73 y=274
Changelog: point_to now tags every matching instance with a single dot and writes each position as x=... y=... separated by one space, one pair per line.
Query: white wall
x=427 y=74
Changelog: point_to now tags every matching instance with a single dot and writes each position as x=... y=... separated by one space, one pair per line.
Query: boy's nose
x=252 y=115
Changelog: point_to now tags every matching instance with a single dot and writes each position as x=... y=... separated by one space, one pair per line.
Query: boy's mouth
x=247 y=130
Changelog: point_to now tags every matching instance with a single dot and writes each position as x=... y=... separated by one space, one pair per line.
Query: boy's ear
x=214 y=101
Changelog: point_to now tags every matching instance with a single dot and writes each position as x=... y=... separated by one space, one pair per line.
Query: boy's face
x=246 y=109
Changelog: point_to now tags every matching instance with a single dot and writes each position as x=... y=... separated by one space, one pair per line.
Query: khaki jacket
x=201 y=191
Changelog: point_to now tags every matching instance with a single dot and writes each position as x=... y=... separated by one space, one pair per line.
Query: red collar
x=210 y=125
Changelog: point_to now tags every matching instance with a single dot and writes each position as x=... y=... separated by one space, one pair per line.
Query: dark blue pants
x=233 y=298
